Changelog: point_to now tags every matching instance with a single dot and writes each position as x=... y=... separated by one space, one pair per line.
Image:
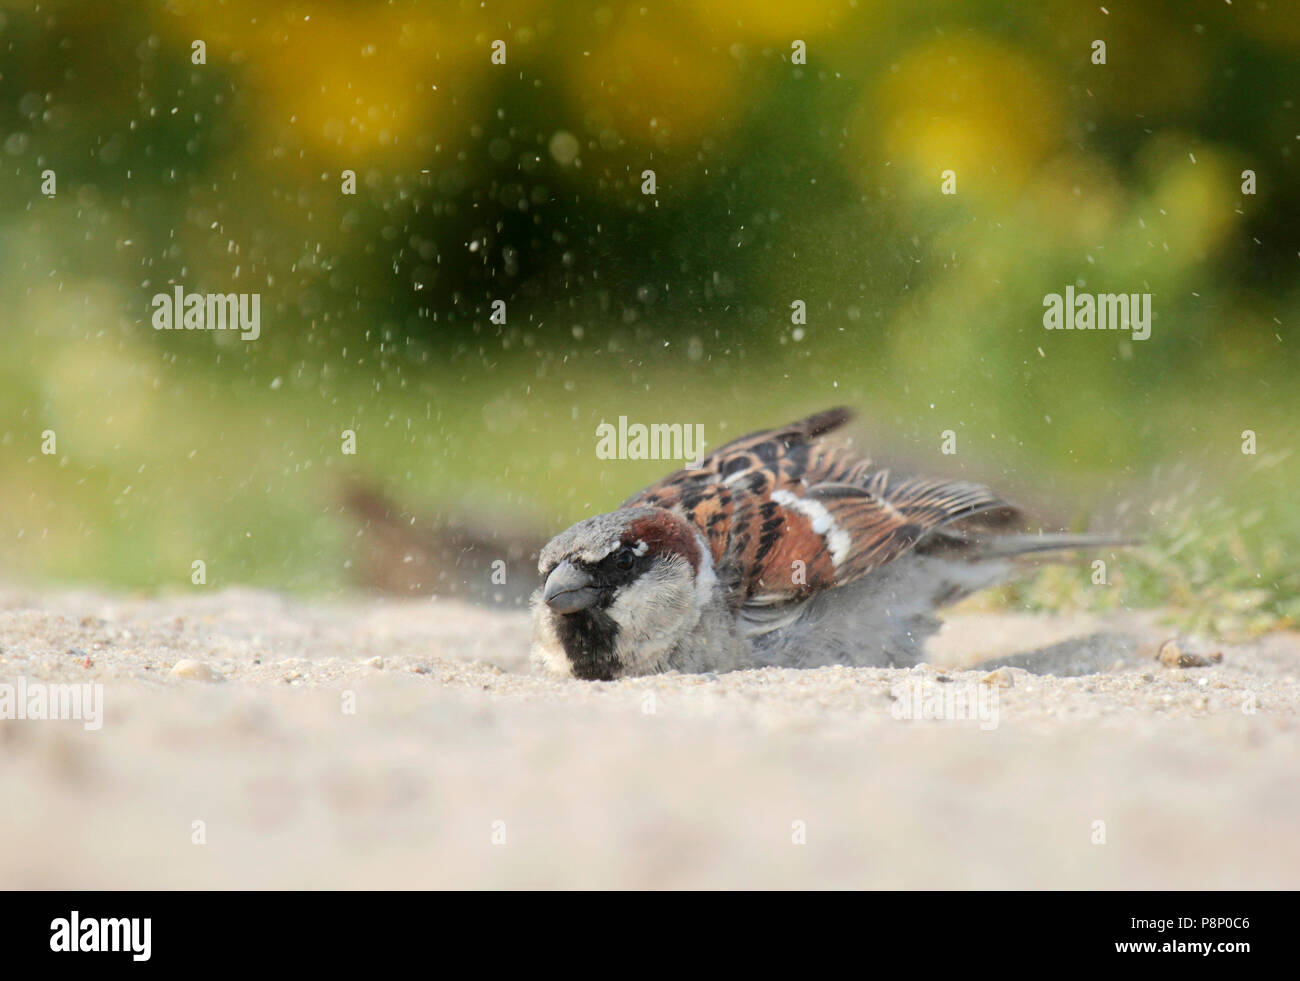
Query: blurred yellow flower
x=654 y=84
x=772 y=20
x=1195 y=197
x=346 y=82
x=969 y=105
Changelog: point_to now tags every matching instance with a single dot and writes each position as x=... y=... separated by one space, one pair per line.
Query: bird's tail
x=1028 y=543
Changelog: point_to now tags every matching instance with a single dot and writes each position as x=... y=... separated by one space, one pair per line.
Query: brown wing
x=760 y=463
x=786 y=514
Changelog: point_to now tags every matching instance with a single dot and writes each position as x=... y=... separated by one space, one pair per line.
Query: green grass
x=164 y=459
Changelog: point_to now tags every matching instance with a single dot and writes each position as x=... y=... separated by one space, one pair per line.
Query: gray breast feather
x=881 y=620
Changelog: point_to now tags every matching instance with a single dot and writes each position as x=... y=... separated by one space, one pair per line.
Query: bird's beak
x=569 y=589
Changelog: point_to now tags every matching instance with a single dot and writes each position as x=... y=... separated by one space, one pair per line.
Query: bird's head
x=619 y=591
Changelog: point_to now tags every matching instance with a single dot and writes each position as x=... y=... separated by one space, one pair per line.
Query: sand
x=458 y=768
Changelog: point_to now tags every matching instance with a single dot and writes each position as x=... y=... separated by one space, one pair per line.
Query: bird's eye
x=625 y=559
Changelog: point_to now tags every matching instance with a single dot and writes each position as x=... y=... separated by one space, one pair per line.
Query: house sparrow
x=779 y=549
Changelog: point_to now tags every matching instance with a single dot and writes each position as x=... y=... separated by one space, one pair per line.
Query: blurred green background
x=522 y=182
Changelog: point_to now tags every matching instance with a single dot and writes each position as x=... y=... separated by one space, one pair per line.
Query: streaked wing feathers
x=786 y=514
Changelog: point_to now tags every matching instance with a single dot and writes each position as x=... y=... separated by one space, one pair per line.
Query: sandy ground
x=457 y=768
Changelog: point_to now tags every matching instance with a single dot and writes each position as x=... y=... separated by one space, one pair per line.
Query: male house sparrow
x=780 y=549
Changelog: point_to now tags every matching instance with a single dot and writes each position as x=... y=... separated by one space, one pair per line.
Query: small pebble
x=195 y=671
x=1171 y=656
x=1000 y=677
